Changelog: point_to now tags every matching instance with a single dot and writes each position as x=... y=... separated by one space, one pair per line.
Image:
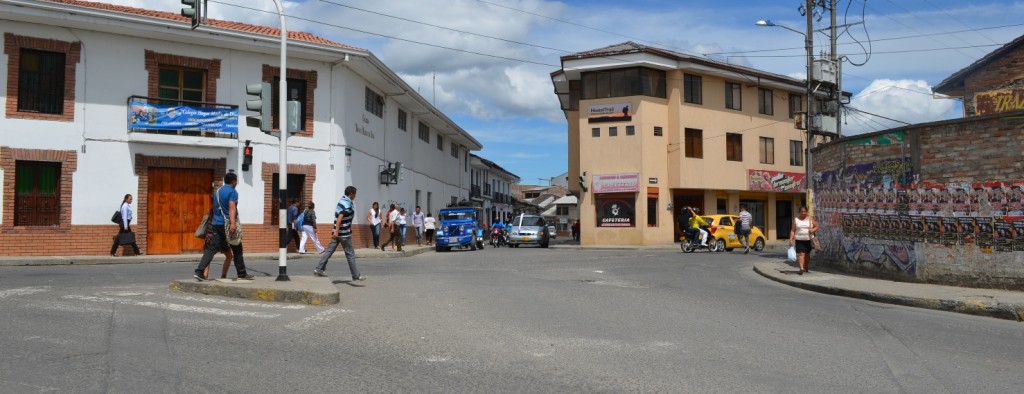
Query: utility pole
x=837 y=63
x=809 y=45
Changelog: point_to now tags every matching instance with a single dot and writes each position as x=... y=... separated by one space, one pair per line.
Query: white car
x=552 y=232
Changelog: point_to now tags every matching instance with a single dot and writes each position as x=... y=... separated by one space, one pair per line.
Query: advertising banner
x=997 y=101
x=615 y=211
x=615 y=112
x=143 y=116
x=616 y=183
x=775 y=181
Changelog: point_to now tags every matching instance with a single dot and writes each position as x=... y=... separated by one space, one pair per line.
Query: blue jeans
x=350 y=255
x=376 y=235
x=419 y=234
x=401 y=229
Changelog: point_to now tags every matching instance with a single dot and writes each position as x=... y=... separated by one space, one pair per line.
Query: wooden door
x=178 y=199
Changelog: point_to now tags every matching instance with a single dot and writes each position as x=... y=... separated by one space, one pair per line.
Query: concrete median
x=300 y=289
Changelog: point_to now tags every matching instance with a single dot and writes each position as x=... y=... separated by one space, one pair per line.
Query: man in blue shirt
x=293 y=230
x=344 y=212
x=225 y=202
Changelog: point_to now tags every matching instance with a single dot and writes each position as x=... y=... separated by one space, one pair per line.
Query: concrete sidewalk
x=362 y=253
x=1000 y=304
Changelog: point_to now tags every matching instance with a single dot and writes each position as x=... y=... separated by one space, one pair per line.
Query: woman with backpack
x=307 y=219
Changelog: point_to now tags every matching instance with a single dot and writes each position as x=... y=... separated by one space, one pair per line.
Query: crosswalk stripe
x=174 y=307
x=235 y=303
x=321 y=317
x=23 y=291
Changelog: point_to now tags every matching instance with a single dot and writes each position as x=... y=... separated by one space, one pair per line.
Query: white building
x=491 y=188
x=68 y=155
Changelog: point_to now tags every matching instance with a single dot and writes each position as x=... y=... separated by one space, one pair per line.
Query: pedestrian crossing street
x=197 y=310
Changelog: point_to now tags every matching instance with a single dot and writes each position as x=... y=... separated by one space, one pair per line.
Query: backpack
x=298 y=220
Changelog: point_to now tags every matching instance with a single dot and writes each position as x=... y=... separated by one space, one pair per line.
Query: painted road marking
x=23 y=291
x=174 y=307
x=203 y=323
x=321 y=317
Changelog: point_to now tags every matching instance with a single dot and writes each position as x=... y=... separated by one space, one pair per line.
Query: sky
x=487 y=63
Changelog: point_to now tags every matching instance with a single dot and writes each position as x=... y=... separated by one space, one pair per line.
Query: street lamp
x=809 y=46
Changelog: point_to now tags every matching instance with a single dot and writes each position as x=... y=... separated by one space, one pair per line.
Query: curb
x=969 y=307
x=300 y=290
x=36 y=261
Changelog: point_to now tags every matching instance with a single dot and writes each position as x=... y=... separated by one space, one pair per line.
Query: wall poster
x=615 y=210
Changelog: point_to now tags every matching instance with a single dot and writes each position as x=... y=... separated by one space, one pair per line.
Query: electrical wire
x=876 y=115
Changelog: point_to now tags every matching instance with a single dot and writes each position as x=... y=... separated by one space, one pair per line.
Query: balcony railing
x=474 y=191
x=153 y=115
x=487 y=190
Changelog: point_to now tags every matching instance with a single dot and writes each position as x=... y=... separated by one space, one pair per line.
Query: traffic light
x=246 y=156
x=583 y=182
x=294 y=109
x=261 y=105
x=192 y=11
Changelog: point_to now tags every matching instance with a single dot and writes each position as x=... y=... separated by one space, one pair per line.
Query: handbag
x=815 y=244
x=234 y=239
x=206 y=226
x=117 y=218
x=125 y=238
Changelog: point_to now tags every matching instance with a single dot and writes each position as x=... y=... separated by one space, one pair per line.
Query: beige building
x=652 y=131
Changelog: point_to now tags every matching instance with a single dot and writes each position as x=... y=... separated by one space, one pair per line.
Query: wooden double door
x=178 y=200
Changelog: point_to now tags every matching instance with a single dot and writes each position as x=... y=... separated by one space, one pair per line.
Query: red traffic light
x=248 y=151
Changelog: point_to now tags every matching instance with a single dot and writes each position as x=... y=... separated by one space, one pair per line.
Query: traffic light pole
x=282 y=179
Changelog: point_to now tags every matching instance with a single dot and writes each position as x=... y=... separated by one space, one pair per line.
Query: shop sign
x=144 y=116
x=615 y=211
x=614 y=112
x=998 y=101
x=616 y=183
x=775 y=181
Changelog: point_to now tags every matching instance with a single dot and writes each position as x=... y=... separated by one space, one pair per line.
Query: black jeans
x=293 y=234
x=135 y=246
x=217 y=240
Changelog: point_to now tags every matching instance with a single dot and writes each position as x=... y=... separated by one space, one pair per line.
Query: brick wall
x=874 y=223
x=1006 y=71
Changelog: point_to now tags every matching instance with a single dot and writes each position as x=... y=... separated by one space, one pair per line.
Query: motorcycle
x=497 y=238
x=690 y=245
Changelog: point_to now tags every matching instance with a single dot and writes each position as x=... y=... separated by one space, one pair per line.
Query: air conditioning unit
x=824 y=71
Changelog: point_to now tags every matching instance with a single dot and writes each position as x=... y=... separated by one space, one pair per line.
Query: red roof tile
x=238 y=26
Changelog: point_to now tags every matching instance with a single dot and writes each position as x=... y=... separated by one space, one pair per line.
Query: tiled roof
x=220 y=24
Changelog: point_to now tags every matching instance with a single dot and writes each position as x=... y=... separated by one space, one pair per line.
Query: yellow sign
x=998 y=101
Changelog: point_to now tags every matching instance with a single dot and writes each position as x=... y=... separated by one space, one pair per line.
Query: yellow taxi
x=723 y=233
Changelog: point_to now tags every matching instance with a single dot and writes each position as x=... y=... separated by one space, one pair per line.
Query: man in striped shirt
x=743 y=230
x=342 y=233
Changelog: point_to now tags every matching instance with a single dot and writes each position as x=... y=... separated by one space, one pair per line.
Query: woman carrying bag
x=309 y=229
x=125 y=236
x=800 y=236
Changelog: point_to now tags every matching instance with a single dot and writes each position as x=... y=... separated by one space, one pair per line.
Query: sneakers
x=747 y=250
x=198 y=277
x=319 y=273
x=359 y=277
x=247 y=277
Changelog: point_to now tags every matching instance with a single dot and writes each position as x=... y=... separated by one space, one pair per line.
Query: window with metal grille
x=179 y=83
x=630 y=130
x=402 y=119
x=765 y=98
x=694 y=143
x=455 y=150
x=613 y=131
x=657 y=131
x=733 y=96
x=440 y=142
x=424 y=132
x=41 y=82
x=733 y=147
x=595 y=132
x=36 y=193
x=766 y=146
x=374 y=103
x=693 y=89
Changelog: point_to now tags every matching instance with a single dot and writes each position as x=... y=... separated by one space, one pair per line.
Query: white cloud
x=905 y=100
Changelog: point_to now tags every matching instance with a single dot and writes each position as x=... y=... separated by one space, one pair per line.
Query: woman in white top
x=402 y=217
x=309 y=229
x=125 y=227
x=428 y=229
x=800 y=235
x=373 y=217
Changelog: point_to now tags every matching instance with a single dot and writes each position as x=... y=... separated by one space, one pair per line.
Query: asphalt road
x=496 y=320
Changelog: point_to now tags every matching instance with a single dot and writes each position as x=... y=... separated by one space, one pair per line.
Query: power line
x=875 y=115
x=900 y=51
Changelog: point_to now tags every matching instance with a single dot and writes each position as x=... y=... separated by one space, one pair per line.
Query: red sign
x=616 y=183
x=775 y=181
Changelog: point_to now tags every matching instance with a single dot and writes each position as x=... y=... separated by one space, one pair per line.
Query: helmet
x=695 y=209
